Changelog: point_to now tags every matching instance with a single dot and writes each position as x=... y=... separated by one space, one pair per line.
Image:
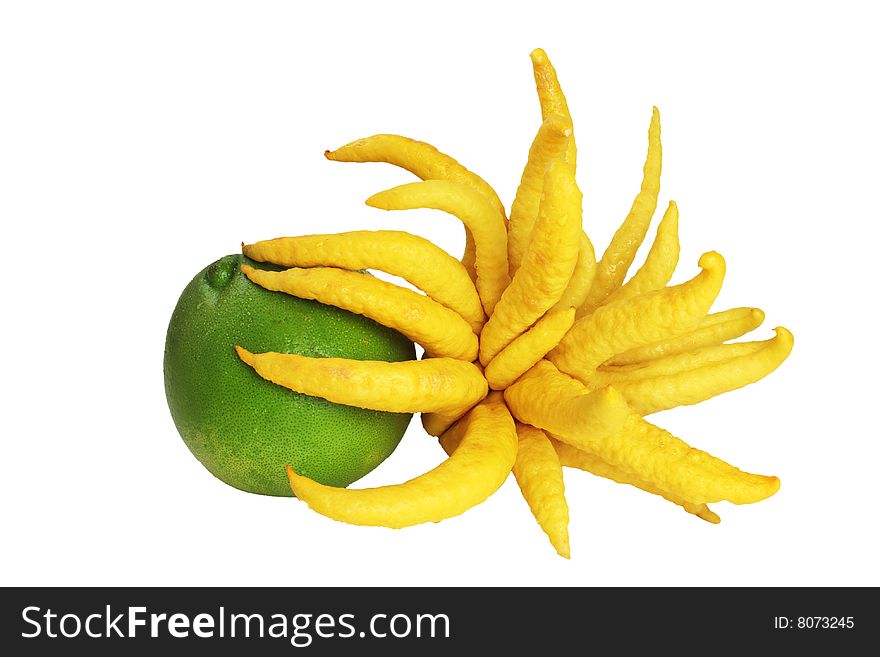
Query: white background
x=141 y=141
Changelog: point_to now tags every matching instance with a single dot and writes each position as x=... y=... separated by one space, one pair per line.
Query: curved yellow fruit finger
x=572 y=457
x=469 y=257
x=660 y=263
x=485 y=225
x=745 y=364
x=618 y=375
x=711 y=330
x=443 y=385
x=422 y=160
x=547 y=266
x=550 y=144
x=621 y=251
x=656 y=456
x=539 y=475
x=548 y=399
x=474 y=471
x=441 y=331
x=581 y=277
x=417 y=157
x=450 y=439
x=437 y=424
x=530 y=347
x=641 y=320
x=413 y=258
x=551 y=97
x=553 y=101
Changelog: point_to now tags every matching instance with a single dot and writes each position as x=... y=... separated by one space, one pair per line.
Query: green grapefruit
x=244 y=429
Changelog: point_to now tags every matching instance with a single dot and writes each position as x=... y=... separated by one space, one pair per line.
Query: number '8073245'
x=814 y=622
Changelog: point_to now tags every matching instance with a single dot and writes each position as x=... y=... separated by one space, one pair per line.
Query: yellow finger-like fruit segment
x=656 y=456
x=424 y=161
x=711 y=330
x=442 y=385
x=641 y=320
x=553 y=101
x=417 y=157
x=581 y=277
x=450 y=439
x=474 y=471
x=551 y=97
x=618 y=375
x=621 y=252
x=413 y=258
x=441 y=331
x=487 y=228
x=726 y=368
x=438 y=424
x=547 y=266
x=661 y=261
x=550 y=144
x=539 y=475
x=530 y=347
x=469 y=257
x=572 y=457
x=548 y=399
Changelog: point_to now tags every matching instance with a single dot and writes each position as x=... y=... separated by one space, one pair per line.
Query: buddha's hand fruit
x=537 y=355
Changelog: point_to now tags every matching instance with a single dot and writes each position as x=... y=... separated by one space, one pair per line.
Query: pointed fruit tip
x=538 y=55
x=245 y=356
x=784 y=335
x=711 y=260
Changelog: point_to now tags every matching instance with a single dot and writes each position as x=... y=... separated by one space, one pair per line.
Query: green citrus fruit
x=245 y=429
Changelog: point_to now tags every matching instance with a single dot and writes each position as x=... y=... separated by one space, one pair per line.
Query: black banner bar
x=108 y=621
